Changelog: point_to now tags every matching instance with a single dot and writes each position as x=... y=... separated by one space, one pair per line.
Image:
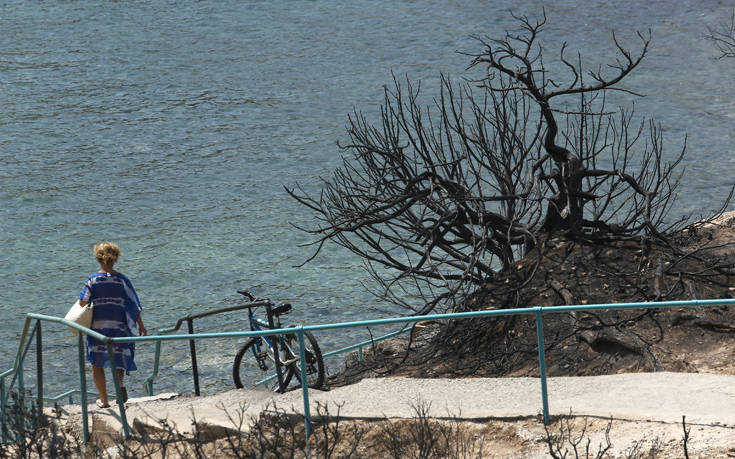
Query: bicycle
x=281 y=354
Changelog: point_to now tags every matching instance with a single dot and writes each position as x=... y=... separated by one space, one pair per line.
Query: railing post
x=21 y=383
x=20 y=401
x=39 y=367
x=193 y=351
x=149 y=381
x=118 y=392
x=542 y=361
x=304 y=384
x=83 y=389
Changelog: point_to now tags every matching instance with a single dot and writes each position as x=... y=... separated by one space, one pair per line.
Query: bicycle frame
x=257 y=324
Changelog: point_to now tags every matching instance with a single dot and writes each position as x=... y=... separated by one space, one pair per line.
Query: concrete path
x=706 y=399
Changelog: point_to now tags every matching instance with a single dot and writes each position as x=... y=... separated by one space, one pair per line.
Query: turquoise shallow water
x=172 y=130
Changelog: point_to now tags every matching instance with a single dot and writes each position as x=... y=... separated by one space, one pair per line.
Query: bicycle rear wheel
x=255 y=361
x=315 y=371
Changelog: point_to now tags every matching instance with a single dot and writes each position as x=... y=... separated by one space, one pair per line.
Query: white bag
x=81 y=315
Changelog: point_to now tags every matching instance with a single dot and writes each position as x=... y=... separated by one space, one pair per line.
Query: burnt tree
x=441 y=199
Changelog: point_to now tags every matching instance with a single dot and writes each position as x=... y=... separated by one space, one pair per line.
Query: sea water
x=173 y=128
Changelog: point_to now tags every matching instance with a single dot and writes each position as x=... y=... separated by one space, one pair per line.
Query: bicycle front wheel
x=255 y=361
x=314 y=361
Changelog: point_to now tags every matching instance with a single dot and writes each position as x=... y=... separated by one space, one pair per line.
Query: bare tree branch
x=440 y=199
x=723 y=37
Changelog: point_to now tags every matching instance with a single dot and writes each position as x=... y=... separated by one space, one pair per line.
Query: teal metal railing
x=359 y=347
x=148 y=383
x=189 y=319
x=537 y=312
x=17 y=370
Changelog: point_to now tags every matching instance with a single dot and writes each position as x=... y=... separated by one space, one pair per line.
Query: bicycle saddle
x=282 y=309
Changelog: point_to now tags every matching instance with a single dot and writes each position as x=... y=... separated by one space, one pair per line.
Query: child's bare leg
x=98 y=376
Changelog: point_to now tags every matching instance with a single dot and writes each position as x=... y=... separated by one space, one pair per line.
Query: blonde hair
x=107 y=253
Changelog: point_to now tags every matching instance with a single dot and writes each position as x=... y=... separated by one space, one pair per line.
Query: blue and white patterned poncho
x=115 y=311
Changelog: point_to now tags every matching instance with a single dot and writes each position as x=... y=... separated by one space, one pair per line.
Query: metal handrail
x=110 y=341
x=69 y=394
x=18 y=366
x=189 y=319
x=148 y=383
x=210 y=313
x=359 y=346
x=537 y=311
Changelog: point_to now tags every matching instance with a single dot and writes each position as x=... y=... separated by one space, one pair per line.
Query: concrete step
x=706 y=399
x=211 y=417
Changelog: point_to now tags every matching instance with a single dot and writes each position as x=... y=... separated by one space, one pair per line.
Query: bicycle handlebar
x=248 y=295
x=277 y=310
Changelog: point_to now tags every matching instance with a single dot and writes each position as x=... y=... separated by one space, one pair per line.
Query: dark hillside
x=607 y=342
